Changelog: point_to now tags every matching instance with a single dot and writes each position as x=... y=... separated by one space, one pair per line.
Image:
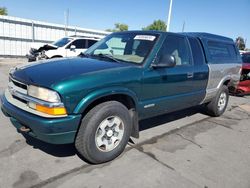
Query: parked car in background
x=65 y=47
x=243 y=87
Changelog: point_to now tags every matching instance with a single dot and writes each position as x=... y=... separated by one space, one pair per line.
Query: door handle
x=190 y=75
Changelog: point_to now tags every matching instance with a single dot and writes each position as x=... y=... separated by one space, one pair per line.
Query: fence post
x=33 y=31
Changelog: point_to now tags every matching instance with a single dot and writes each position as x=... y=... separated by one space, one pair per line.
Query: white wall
x=17 y=35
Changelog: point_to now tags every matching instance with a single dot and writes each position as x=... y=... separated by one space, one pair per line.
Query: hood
x=45 y=47
x=47 y=73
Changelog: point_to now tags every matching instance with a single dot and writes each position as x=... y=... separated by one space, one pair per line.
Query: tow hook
x=24 y=129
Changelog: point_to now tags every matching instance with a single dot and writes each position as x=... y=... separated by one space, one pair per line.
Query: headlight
x=47 y=96
x=43 y=94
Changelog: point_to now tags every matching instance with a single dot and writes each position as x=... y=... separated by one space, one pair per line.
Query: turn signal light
x=51 y=111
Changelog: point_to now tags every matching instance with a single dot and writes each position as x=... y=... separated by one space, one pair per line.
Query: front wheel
x=219 y=104
x=104 y=132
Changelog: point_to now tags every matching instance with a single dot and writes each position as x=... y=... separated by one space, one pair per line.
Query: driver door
x=167 y=89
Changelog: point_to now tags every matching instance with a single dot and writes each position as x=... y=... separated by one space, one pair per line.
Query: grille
x=18 y=84
x=16 y=87
x=21 y=100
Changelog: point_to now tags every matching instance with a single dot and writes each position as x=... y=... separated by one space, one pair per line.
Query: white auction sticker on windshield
x=145 y=37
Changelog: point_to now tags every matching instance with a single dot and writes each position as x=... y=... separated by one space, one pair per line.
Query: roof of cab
x=201 y=35
x=142 y=31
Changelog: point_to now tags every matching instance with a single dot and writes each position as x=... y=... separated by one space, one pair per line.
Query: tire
x=240 y=93
x=219 y=104
x=56 y=57
x=104 y=132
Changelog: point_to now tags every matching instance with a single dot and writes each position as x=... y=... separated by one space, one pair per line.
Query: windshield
x=246 y=58
x=125 y=47
x=62 y=42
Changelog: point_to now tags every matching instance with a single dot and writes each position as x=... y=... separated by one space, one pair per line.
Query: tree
x=240 y=43
x=3 y=11
x=119 y=27
x=156 y=25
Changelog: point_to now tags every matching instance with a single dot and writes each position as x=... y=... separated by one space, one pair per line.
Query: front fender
x=97 y=94
x=52 y=53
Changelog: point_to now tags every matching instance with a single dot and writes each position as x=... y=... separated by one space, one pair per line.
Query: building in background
x=18 y=35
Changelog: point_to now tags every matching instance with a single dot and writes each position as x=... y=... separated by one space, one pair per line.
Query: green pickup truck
x=97 y=99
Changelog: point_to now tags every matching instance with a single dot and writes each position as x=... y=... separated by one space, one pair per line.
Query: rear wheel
x=219 y=104
x=104 y=132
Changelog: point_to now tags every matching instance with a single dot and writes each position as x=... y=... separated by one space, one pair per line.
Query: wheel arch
x=211 y=93
x=56 y=56
x=124 y=96
x=224 y=81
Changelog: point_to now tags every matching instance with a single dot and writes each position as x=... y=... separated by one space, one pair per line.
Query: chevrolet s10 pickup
x=97 y=99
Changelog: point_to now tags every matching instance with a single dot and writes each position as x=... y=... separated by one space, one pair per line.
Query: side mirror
x=72 y=47
x=166 y=61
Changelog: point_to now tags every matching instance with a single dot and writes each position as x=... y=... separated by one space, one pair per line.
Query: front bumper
x=51 y=130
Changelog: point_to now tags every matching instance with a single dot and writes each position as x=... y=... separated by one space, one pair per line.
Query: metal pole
x=65 y=30
x=33 y=31
x=66 y=16
x=169 y=15
x=183 y=26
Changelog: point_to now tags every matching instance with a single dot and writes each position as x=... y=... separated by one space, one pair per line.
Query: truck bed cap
x=203 y=35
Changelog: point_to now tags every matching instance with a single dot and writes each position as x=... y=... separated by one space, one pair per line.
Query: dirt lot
x=182 y=149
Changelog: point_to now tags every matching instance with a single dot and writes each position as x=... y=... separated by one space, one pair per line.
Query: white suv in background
x=65 y=47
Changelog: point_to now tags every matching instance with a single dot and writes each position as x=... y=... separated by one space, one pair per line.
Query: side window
x=198 y=54
x=79 y=43
x=90 y=43
x=221 y=51
x=178 y=47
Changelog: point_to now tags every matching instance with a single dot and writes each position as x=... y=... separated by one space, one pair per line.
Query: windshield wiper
x=110 y=57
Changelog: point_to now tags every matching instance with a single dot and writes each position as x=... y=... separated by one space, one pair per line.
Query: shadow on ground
x=62 y=150
x=166 y=118
x=69 y=149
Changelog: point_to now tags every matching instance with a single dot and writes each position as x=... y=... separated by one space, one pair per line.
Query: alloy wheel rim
x=222 y=101
x=109 y=133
